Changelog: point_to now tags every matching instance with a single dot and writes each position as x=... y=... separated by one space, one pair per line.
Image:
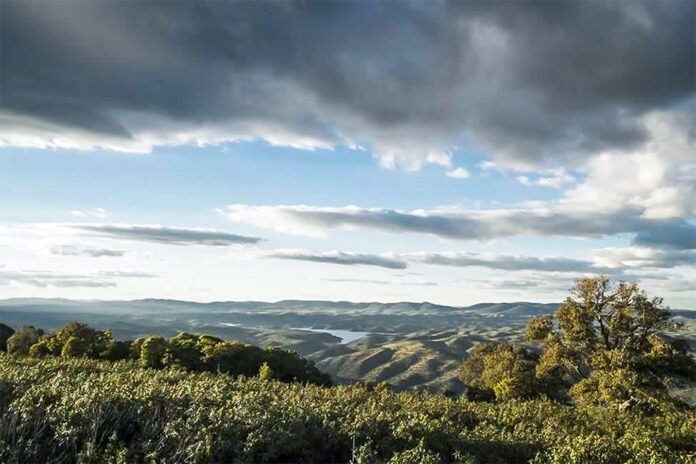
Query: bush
x=21 y=341
x=152 y=351
x=501 y=370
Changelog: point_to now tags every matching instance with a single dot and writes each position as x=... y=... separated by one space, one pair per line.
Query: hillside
x=409 y=345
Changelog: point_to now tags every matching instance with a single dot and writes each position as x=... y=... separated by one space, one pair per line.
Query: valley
x=408 y=345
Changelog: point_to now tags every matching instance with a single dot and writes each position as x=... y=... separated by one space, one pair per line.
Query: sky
x=452 y=152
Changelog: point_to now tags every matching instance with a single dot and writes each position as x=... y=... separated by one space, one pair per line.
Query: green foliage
x=610 y=346
x=152 y=351
x=21 y=341
x=504 y=370
x=265 y=372
x=73 y=339
x=41 y=348
x=184 y=351
x=117 y=350
x=5 y=333
x=539 y=328
x=417 y=455
x=75 y=347
x=68 y=410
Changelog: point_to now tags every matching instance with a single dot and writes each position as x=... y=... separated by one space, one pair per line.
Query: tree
x=152 y=351
x=75 y=347
x=117 y=350
x=607 y=344
x=40 y=349
x=86 y=341
x=501 y=370
x=5 y=333
x=223 y=357
x=21 y=341
x=183 y=351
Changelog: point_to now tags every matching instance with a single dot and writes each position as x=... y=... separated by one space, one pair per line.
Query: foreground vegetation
x=81 y=410
x=592 y=385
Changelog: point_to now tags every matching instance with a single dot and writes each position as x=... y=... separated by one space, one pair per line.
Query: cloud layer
x=410 y=81
x=71 y=250
x=339 y=257
x=167 y=235
x=457 y=224
x=42 y=279
x=614 y=261
x=508 y=262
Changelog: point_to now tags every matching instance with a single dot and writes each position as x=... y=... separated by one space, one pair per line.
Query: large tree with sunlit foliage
x=609 y=344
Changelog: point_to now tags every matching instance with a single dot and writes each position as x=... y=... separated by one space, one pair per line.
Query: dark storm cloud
x=526 y=80
x=339 y=257
x=167 y=235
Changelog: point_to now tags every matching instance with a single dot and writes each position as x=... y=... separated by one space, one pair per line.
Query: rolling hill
x=409 y=345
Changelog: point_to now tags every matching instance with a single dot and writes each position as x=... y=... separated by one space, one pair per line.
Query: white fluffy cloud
x=458 y=173
x=92 y=212
x=554 y=178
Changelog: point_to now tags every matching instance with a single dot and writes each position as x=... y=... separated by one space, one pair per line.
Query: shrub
x=21 y=341
x=503 y=370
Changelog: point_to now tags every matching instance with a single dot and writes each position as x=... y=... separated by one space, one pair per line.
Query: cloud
x=507 y=262
x=93 y=212
x=70 y=250
x=127 y=274
x=360 y=281
x=167 y=235
x=557 y=178
x=543 y=219
x=459 y=173
x=523 y=82
x=641 y=257
x=339 y=257
x=383 y=282
x=59 y=279
x=50 y=279
x=610 y=261
x=682 y=235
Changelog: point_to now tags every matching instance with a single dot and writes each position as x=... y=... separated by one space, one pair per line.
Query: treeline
x=608 y=344
x=185 y=351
